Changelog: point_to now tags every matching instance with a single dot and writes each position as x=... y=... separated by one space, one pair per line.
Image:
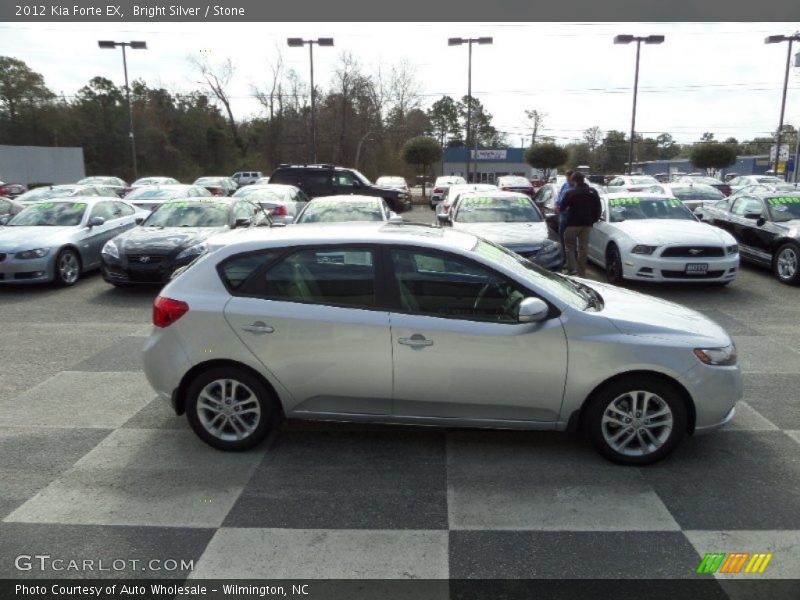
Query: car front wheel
x=636 y=421
x=231 y=409
x=67 y=267
x=786 y=264
x=613 y=266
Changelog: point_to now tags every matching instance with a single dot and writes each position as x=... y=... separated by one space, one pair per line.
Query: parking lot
x=93 y=466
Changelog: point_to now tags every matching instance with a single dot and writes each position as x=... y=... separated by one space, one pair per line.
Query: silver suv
x=418 y=325
x=246 y=177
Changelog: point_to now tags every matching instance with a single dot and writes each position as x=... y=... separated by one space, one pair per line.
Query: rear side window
x=331 y=276
x=237 y=269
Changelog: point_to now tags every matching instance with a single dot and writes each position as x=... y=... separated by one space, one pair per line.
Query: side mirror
x=753 y=216
x=532 y=310
x=96 y=221
x=139 y=220
x=242 y=222
x=444 y=219
x=395 y=218
x=4 y=219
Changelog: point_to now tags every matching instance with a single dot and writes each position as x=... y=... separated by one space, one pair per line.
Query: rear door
x=311 y=316
x=459 y=351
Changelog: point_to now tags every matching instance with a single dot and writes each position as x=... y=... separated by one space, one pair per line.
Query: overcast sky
x=718 y=77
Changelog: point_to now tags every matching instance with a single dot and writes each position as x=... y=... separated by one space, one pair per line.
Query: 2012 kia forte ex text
x=419 y=325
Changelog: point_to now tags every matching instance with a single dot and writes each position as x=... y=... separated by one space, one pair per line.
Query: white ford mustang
x=653 y=237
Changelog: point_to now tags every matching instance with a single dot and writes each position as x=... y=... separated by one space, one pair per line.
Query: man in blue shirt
x=562 y=216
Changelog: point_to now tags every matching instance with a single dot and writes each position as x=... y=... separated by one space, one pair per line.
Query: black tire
x=666 y=395
x=269 y=412
x=62 y=275
x=613 y=265
x=784 y=257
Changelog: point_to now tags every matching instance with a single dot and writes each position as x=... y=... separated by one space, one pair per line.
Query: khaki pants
x=576 y=240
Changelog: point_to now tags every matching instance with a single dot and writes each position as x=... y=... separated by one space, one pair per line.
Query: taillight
x=437 y=190
x=506 y=189
x=726 y=189
x=215 y=191
x=166 y=311
x=278 y=211
x=635 y=189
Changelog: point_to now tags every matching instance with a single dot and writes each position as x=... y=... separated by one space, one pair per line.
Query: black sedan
x=173 y=236
x=767 y=227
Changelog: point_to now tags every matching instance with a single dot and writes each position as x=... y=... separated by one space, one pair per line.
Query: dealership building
x=489 y=163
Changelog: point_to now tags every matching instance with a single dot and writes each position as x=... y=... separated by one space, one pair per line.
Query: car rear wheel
x=613 y=265
x=786 y=264
x=67 y=267
x=636 y=421
x=230 y=409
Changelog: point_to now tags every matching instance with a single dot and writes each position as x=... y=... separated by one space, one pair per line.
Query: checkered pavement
x=92 y=465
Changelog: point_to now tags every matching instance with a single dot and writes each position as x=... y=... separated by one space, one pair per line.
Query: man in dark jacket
x=582 y=205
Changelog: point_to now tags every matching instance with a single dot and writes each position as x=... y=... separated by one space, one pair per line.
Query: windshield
x=647 y=179
x=517 y=181
x=692 y=193
x=50 y=214
x=362 y=177
x=149 y=192
x=44 y=194
x=488 y=209
x=561 y=287
x=340 y=211
x=785 y=208
x=770 y=180
x=189 y=214
x=209 y=181
x=628 y=209
x=449 y=181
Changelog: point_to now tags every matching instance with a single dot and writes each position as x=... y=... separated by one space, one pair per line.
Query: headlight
x=195 y=250
x=733 y=249
x=719 y=357
x=37 y=253
x=110 y=249
x=641 y=249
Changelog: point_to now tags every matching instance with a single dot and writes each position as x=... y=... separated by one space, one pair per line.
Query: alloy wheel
x=786 y=263
x=68 y=267
x=637 y=423
x=228 y=410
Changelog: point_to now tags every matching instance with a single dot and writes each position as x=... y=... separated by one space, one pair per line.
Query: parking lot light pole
x=469 y=42
x=627 y=39
x=109 y=45
x=776 y=39
x=299 y=42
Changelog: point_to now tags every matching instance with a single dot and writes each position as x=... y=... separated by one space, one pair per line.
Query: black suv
x=329 y=180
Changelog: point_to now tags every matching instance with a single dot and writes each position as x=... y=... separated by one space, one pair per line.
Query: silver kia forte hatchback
x=417 y=325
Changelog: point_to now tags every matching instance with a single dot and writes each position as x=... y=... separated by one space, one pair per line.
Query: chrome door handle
x=258 y=327
x=415 y=341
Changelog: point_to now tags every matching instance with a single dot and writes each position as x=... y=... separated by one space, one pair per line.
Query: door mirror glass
x=242 y=222
x=753 y=216
x=96 y=221
x=5 y=219
x=532 y=310
x=139 y=220
x=395 y=218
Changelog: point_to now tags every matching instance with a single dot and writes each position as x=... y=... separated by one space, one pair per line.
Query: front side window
x=747 y=205
x=331 y=276
x=444 y=285
x=344 y=179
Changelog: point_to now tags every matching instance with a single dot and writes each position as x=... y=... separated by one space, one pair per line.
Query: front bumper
x=124 y=271
x=21 y=271
x=715 y=391
x=642 y=267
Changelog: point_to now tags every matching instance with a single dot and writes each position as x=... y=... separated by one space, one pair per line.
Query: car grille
x=693 y=251
x=2 y=256
x=149 y=259
x=683 y=275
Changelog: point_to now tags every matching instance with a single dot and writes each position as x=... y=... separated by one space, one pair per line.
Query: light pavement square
x=546 y=482
x=749 y=419
x=325 y=554
x=78 y=399
x=145 y=477
x=761 y=354
x=795 y=435
x=783 y=545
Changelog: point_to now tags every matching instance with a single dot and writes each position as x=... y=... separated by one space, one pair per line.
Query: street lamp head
x=455 y=41
x=106 y=44
x=485 y=40
x=654 y=39
x=325 y=42
x=139 y=45
x=295 y=42
x=775 y=39
x=623 y=39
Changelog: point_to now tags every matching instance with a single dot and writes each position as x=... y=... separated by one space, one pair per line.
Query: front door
x=311 y=320
x=459 y=351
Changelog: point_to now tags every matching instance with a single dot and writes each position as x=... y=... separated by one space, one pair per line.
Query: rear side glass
x=237 y=269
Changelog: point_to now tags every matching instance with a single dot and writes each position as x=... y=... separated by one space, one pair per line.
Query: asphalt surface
x=91 y=464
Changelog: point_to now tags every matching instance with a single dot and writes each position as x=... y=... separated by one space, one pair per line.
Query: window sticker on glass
x=42 y=206
x=623 y=201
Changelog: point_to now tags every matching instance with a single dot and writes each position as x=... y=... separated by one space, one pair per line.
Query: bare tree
x=217 y=78
x=273 y=94
x=536 y=120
